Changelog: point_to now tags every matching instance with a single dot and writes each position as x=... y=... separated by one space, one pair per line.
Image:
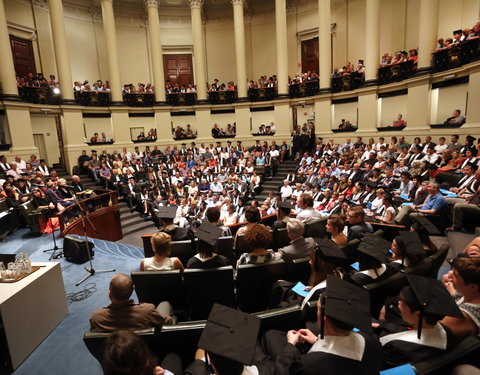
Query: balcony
x=347 y=83
x=39 y=95
x=461 y=54
x=301 y=90
x=93 y=98
x=395 y=73
x=263 y=94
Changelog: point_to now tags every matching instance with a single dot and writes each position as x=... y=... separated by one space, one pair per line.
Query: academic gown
x=404 y=347
x=290 y=361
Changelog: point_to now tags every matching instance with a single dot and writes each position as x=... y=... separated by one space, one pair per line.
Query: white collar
x=351 y=346
x=435 y=337
x=371 y=272
x=320 y=285
x=205 y=259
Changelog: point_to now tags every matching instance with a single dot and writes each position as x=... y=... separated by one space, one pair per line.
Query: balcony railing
x=39 y=95
x=463 y=53
x=181 y=98
x=347 y=83
x=395 y=73
x=301 y=90
x=93 y=98
x=139 y=99
x=222 y=97
x=263 y=94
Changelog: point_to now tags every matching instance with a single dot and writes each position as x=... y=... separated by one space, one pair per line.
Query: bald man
x=124 y=313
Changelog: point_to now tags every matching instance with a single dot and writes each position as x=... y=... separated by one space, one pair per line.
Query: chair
x=243 y=246
x=181 y=338
x=437 y=260
x=183 y=250
x=443 y=364
x=380 y=290
x=147 y=245
x=204 y=287
x=316 y=228
x=254 y=284
x=284 y=319
x=350 y=250
x=299 y=270
x=280 y=238
x=157 y=286
x=225 y=248
x=32 y=217
x=95 y=342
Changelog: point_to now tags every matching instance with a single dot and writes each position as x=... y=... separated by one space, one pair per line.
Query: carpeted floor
x=63 y=351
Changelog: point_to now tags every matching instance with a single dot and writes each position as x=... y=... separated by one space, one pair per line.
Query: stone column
x=427 y=33
x=157 y=59
x=112 y=51
x=240 y=54
x=282 y=53
x=325 y=43
x=198 y=48
x=372 y=39
x=7 y=69
x=61 y=50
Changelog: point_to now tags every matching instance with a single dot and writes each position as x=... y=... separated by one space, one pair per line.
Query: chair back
x=284 y=319
x=437 y=260
x=254 y=284
x=316 y=228
x=243 y=246
x=204 y=287
x=95 y=342
x=380 y=290
x=280 y=238
x=183 y=250
x=350 y=250
x=225 y=248
x=147 y=245
x=158 y=286
x=299 y=270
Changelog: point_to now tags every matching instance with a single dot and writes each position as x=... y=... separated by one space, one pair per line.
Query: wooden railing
x=260 y=95
x=301 y=90
x=461 y=54
x=222 y=97
x=347 y=83
x=395 y=73
x=139 y=99
x=176 y=99
x=93 y=98
x=39 y=95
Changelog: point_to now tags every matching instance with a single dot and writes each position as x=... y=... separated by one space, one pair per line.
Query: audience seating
x=284 y=319
x=225 y=248
x=95 y=342
x=298 y=270
x=316 y=228
x=243 y=246
x=380 y=290
x=183 y=250
x=204 y=287
x=280 y=238
x=468 y=349
x=254 y=283
x=350 y=250
x=9 y=221
x=430 y=265
x=155 y=287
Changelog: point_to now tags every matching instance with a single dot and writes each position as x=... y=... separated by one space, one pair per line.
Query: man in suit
x=283 y=216
x=124 y=313
x=356 y=173
x=130 y=192
x=300 y=246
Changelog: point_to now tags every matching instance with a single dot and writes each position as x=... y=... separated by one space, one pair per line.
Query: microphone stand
x=90 y=271
x=54 y=255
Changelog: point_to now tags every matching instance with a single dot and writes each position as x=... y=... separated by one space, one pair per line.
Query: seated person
x=161 y=261
x=422 y=305
x=307 y=213
x=335 y=226
x=456 y=119
x=126 y=351
x=400 y=121
x=407 y=249
x=123 y=313
x=300 y=246
x=207 y=235
x=337 y=350
x=357 y=225
x=283 y=215
x=212 y=215
x=260 y=238
x=166 y=216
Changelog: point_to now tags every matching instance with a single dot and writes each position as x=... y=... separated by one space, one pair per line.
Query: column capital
x=196 y=3
x=237 y=2
x=96 y=13
x=42 y=4
x=106 y=1
x=152 y=3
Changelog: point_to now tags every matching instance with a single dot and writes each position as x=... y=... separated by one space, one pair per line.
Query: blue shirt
x=435 y=202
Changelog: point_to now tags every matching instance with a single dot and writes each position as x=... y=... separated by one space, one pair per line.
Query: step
x=132 y=220
x=144 y=225
x=128 y=215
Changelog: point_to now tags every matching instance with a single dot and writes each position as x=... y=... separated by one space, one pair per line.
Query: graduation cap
x=470 y=138
x=329 y=250
x=346 y=303
x=360 y=62
x=375 y=247
x=433 y=298
x=167 y=212
x=459 y=31
x=208 y=232
x=285 y=206
x=427 y=225
x=473 y=165
x=230 y=333
x=412 y=244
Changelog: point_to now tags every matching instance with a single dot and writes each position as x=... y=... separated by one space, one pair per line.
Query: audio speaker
x=75 y=249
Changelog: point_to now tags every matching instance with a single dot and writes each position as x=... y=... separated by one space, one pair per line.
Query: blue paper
x=369 y=205
x=356 y=265
x=300 y=289
x=400 y=370
x=451 y=195
x=355 y=330
x=444 y=191
x=407 y=204
x=391 y=252
x=404 y=196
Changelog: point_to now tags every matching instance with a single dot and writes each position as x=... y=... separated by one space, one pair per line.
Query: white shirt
x=308 y=215
x=286 y=191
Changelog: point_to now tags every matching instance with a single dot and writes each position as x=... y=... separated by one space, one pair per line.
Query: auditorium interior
x=240 y=153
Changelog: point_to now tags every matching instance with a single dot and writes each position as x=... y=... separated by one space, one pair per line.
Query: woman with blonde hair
x=161 y=260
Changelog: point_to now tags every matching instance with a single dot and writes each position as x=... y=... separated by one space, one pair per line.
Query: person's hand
x=307 y=336
x=51 y=205
x=159 y=370
x=293 y=337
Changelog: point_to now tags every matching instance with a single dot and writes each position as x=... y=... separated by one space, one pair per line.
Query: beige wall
x=457 y=15
x=223 y=119
x=262 y=117
x=347 y=111
x=146 y=123
x=183 y=121
x=390 y=108
x=305 y=113
x=220 y=47
x=46 y=125
x=97 y=125
x=449 y=99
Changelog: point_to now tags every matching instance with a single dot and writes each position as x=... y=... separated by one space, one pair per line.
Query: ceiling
x=209 y=4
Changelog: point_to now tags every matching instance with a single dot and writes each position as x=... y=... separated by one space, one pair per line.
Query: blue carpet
x=63 y=351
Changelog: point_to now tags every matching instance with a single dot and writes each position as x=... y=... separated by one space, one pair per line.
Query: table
x=31 y=308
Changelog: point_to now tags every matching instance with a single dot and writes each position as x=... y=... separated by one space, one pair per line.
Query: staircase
x=276 y=182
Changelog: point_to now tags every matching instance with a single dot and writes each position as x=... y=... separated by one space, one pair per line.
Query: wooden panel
x=178 y=69
x=310 y=55
x=23 y=57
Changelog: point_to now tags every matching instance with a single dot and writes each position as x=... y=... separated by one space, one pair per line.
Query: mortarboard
x=230 y=333
x=208 y=233
x=433 y=298
x=374 y=246
x=346 y=303
x=412 y=243
x=286 y=206
x=329 y=250
x=470 y=138
x=459 y=31
x=167 y=212
x=473 y=165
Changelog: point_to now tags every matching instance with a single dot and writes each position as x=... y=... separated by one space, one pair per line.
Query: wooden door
x=178 y=69
x=310 y=55
x=23 y=57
